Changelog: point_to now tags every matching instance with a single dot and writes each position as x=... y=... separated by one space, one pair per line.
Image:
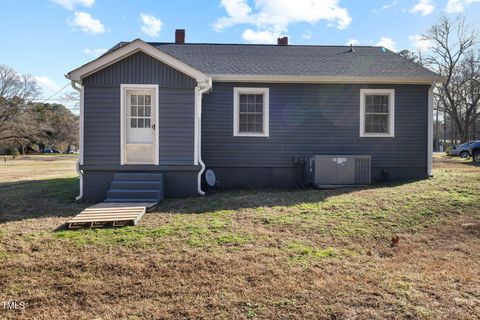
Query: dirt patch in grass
x=253 y=254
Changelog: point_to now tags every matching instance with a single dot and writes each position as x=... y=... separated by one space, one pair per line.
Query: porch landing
x=110 y=214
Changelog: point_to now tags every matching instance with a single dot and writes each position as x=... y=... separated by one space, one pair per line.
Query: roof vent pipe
x=351 y=48
x=282 y=41
x=180 y=36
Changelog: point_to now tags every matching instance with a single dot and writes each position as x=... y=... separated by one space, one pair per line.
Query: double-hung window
x=251 y=112
x=377 y=112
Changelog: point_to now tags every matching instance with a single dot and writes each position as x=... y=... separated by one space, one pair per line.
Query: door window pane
x=148 y=100
x=140 y=111
x=133 y=111
x=140 y=123
x=147 y=123
x=133 y=123
x=147 y=111
x=141 y=99
x=133 y=99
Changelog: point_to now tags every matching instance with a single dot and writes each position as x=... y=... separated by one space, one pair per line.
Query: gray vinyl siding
x=102 y=110
x=308 y=119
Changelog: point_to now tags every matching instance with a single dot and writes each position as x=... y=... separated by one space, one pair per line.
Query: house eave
x=325 y=79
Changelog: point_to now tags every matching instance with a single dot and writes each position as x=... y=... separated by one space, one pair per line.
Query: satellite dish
x=210 y=177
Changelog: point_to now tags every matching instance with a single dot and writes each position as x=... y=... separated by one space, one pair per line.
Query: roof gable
x=139 y=68
x=129 y=49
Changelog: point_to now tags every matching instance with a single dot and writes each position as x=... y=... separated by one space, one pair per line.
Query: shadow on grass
x=236 y=199
x=448 y=160
x=55 y=198
x=39 y=198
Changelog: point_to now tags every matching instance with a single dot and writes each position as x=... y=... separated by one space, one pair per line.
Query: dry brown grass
x=37 y=167
x=252 y=254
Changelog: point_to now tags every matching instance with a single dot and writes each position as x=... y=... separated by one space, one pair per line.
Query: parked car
x=49 y=150
x=475 y=151
x=462 y=150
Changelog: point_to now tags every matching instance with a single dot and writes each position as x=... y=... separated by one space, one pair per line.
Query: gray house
x=155 y=116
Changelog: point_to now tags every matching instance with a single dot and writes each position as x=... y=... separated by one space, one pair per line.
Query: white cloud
x=425 y=7
x=307 y=35
x=420 y=43
x=387 y=43
x=94 y=52
x=352 y=42
x=238 y=12
x=46 y=83
x=274 y=16
x=151 y=26
x=260 y=36
x=456 y=6
x=71 y=4
x=387 y=6
x=87 y=23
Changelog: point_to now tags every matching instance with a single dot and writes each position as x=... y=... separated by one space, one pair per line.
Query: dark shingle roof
x=293 y=60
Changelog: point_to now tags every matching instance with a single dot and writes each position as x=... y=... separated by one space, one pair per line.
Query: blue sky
x=47 y=38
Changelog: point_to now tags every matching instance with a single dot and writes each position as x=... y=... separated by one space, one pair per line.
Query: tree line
x=27 y=125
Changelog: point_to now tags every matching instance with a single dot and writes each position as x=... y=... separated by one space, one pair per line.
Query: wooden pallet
x=109 y=215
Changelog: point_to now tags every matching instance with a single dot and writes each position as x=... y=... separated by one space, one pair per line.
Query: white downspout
x=80 y=139
x=430 y=131
x=198 y=119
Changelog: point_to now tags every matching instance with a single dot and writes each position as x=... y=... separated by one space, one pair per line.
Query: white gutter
x=198 y=120
x=80 y=139
x=324 y=79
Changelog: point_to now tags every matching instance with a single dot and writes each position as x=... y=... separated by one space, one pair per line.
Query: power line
x=53 y=95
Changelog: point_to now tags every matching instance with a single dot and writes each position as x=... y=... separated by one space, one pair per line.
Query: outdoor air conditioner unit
x=335 y=171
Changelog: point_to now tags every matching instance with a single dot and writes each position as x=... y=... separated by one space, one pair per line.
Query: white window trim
x=123 y=131
x=391 y=112
x=236 y=111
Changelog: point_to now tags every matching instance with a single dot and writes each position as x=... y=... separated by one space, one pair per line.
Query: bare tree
x=452 y=44
x=72 y=99
x=470 y=77
x=16 y=90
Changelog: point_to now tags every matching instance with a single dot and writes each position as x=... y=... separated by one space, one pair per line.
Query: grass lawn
x=246 y=254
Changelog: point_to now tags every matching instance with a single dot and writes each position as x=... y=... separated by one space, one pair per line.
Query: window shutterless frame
x=391 y=112
x=236 y=111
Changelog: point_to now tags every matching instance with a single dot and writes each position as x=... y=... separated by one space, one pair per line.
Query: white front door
x=140 y=109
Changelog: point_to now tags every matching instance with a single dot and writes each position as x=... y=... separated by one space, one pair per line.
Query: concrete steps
x=136 y=187
x=138 y=177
